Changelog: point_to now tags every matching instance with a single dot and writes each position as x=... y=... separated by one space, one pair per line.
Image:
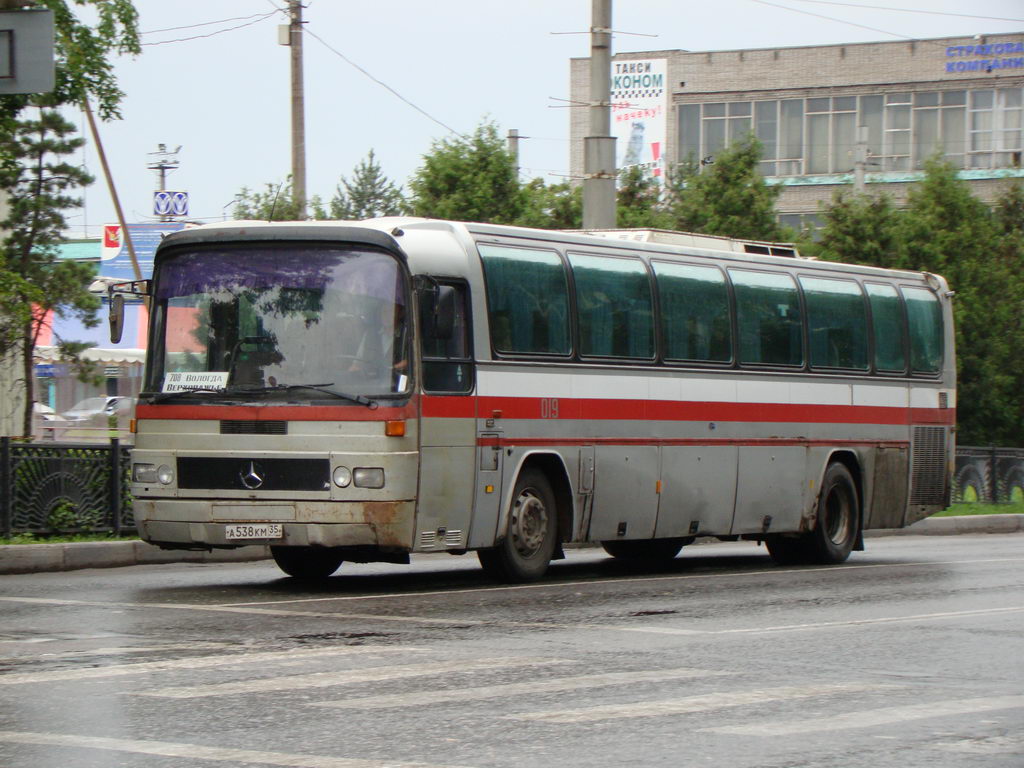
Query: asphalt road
x=911 y=654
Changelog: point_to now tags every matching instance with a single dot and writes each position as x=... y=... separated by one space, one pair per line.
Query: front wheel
x=307 y=563
x=529 y=543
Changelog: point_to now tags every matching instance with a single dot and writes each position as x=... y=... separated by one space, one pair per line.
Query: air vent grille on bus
x=928 y=481
x=240 y=427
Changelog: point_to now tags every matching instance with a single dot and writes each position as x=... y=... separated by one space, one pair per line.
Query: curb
x=41 y=558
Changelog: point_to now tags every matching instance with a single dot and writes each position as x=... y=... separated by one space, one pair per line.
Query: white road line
x=196 y=752
x=340 y=677
x=873 y=718
x=423 y=698
x=692 y=704
x=774 y=571
x=121 y=650
x=198 y=662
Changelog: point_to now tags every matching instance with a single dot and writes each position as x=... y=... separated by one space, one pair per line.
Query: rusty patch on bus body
x=385 y=518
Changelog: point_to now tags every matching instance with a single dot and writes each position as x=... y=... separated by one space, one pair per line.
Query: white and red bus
x=363 y=391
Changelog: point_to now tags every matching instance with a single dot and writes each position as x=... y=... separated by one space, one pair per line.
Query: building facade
x=811 y=106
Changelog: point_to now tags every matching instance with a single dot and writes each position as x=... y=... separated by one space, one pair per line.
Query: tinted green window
x=837 y=323
x=613 y=300
x=528 y=300
x=889 y=327
x=694 y=312
x=768 y=315
x=924 y=319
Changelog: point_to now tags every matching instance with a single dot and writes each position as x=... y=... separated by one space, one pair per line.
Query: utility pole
x=513 y=145
x=292 y=36
x=599 y=145
x=860 y=159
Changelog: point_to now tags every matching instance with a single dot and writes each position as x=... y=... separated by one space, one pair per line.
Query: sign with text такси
x=115 y=261
x=640 y=113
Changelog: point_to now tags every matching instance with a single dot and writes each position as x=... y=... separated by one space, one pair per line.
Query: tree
x=729 y=197
x=639 y=202
x=551 y=206
x=468 y=178
x=84 y=54
x=861 y=229
x=369 y=195
x=39 y=185
x=275 y=203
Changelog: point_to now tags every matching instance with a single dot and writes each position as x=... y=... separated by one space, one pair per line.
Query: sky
x=395 y=76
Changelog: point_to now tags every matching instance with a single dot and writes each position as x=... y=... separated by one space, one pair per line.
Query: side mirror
x=444 y=312
x=116 y=318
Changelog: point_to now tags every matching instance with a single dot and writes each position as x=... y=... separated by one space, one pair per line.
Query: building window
x=973 y=129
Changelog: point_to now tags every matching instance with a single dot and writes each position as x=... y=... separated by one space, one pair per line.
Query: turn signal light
x=394 y=428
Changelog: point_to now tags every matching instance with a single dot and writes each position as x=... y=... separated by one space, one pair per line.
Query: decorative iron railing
x=989 y=475
x=50 y=488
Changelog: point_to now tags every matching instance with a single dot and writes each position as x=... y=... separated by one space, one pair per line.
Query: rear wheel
x=529 y=543
x=837 y=527
x=650 y=550
x=307 y=563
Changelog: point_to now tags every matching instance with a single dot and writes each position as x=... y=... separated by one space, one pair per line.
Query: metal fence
x=989 y=475
x=83 y=488
x=64 y=488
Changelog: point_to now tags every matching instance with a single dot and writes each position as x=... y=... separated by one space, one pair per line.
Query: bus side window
x=447 y=358
x=924 y=318
x=890 y=326
x=768 y=315
x=836 y=323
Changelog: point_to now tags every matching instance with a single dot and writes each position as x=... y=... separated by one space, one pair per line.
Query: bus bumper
x=195 y=524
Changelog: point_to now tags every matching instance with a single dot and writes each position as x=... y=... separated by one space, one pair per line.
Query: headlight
x=369 y=477
x=342 y=476
x=144 y=473
x=165 y=474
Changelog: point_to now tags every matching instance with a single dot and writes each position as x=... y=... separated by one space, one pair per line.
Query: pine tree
x=39 y=184
x=369 y=195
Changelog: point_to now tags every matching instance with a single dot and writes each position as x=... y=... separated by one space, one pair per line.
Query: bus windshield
x=284 y=322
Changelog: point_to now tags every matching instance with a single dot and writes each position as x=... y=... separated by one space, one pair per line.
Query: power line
x=218 y=32
x=209 y=23
x=907 y=10
x=351 y=63
x=831 y=18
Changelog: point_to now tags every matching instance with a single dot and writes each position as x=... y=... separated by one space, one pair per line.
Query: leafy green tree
x=639 y=201
x=728 y=197
x=275 y=203
x=84 y=53
x=39 y=185
x=468 y=178
x=368 y=195
x=861 y=229
x=551 y=206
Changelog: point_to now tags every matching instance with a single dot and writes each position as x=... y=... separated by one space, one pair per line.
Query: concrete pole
x=599 y=145
x=860 y=159
x=513 y=146
x=298 y=108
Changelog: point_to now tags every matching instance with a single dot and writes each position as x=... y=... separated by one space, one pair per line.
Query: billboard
x=115 y=262
x=640 y=113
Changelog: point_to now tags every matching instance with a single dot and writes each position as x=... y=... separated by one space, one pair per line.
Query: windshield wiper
x=161 y=397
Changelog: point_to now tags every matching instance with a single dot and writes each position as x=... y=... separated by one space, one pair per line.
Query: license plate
x=254 y=531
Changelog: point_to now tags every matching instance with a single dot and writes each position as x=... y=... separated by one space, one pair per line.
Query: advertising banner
x=117 y=264
x=640 y=113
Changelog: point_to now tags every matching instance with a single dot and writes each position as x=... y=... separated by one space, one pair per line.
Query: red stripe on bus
x=274 y=412
x=666 y=410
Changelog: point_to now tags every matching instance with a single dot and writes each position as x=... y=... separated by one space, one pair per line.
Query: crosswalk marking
x=581 y=682
x=196 y=752
x=873 y=717
x=692 y=704
x=199 y=662
x=342 y=677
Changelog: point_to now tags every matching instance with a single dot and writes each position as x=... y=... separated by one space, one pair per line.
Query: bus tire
x=837 y=527
x=649 y=550
x=833 y=537
x=525 y=551
x=307 y=563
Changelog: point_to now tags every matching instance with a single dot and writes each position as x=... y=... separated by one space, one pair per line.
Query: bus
x=363 y=391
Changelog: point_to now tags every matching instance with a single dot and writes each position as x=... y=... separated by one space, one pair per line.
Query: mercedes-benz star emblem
x=251 y=476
